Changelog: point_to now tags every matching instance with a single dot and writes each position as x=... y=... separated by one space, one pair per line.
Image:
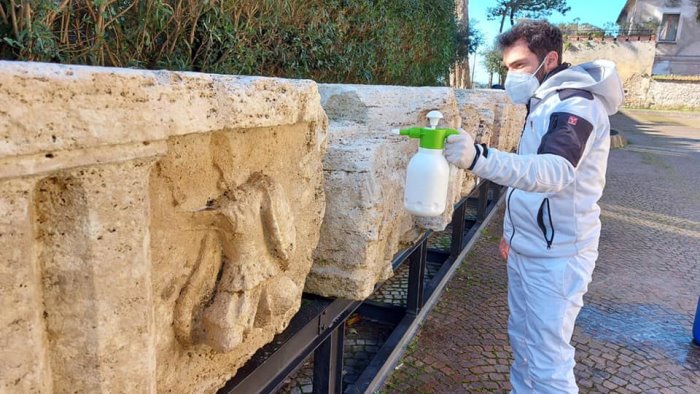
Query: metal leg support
x=483 y=201
x=458 y=229
x=416 y=278
x=496 y=191
x=328 y=364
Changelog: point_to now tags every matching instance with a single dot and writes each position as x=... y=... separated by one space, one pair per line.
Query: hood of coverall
x=598 y=77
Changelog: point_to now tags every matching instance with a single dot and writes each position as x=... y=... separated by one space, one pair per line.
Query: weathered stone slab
x=511 y=126
x=157 y=228
x=496 y=121
x=477 y=108
x=492 y=119
x=508 y=124
x=110 y=106
x=91 y=244
x=235 y=217
x=24 y=362
x=365 y=223
x=365 y=170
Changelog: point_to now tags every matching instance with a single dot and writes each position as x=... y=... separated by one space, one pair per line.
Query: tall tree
x=535 y=9
x=475 y=39
x=470 y=38
x=493 y=62
x=459 y=75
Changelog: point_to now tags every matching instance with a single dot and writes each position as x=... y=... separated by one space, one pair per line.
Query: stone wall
x=673 y=95
x=365 y=170
x=365 y=224
x=152 y=239
x=492 y=119
x=157 y=228
x=634 y=61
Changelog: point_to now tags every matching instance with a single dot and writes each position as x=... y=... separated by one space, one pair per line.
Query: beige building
x=678 y=32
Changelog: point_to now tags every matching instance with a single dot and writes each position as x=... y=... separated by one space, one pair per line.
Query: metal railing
x=319 y=326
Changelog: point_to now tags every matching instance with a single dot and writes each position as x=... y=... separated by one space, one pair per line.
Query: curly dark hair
x=541 y=36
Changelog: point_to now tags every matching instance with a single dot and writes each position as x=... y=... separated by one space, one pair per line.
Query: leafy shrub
x=409 y=42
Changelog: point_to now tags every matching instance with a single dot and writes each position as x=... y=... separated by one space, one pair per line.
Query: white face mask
x=521 y=86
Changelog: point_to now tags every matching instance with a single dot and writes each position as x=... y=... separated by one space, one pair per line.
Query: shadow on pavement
x=664 y=131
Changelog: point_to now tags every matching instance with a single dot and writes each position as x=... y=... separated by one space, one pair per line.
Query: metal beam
x=380 y=311
x=328 y=364
x=458 y=228
x=483 y=201
x=318 y=327
x=372 y=380
x=266 y=370
x=416 y=278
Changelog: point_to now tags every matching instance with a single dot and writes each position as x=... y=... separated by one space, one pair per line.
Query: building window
x=669 y=27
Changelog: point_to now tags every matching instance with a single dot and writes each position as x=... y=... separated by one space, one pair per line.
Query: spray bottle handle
x=429 y=138
x=413 y=132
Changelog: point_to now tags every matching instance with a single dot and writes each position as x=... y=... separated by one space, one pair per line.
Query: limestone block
x=477 y=108
x=24 y=363
x=492 y=119
x=235 y=217
x=491 y=116
x=156 y=227
x=91 y=244
x=110 y=106
x=78 y=281
x=512 y=120
x=508 y=123
x=365 y=170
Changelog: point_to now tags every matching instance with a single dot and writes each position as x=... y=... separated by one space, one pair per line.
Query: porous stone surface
x=478 y=110
x=156 y=227
x=235 y=217
x=508 y=123
x=492 y=119
x=365 y=223
x=110 y=106
x=365 y=170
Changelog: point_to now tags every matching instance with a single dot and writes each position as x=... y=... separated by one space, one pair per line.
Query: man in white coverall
x=552 y=226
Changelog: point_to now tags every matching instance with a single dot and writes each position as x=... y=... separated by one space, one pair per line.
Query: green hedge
x=407 y=42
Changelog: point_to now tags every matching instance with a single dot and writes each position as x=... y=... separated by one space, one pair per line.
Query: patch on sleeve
x=566 y=137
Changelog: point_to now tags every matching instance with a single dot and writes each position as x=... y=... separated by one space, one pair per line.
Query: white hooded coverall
x=552 y=220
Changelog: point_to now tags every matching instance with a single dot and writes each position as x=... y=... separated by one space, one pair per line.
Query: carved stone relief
x=249 y=238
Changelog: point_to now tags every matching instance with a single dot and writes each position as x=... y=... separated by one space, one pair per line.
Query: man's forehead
x=517 y=52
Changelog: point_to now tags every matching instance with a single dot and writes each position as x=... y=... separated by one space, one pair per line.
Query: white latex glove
x=460 y=150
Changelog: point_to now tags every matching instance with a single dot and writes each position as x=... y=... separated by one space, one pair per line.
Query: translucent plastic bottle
x=428 y=172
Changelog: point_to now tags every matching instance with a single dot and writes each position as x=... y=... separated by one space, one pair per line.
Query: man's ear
x=552 y=61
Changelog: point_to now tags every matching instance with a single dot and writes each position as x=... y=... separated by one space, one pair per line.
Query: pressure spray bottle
x=428 y=172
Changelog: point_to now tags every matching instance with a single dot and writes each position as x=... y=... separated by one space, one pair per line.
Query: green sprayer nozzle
x=429 y=138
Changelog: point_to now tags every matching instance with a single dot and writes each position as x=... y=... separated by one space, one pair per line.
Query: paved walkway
x=633 y=334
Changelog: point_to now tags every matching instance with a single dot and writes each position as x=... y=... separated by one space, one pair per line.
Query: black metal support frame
x=328 y=363
x=319 y=326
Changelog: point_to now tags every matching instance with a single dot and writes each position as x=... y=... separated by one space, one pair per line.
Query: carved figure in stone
x=237 y=282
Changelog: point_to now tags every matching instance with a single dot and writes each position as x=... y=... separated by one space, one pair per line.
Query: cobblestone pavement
x=363 y=338
x=633 y=334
